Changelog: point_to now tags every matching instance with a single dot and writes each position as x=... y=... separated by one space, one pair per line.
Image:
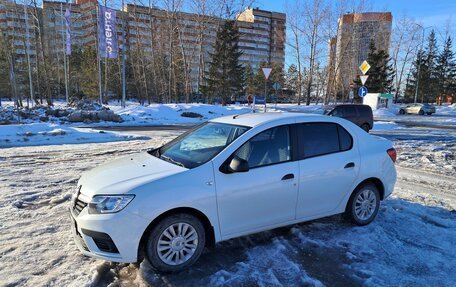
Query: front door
x=266 y=194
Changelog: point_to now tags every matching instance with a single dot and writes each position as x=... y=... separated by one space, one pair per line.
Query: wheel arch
x=209 y=229
x=377 y=182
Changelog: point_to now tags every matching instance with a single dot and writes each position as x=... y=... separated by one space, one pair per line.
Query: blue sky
x=429 y=12
x=440 y=14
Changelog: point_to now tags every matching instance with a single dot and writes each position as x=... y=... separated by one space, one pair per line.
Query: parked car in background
x=229 y=177
x=417 y=109
x=361 y=115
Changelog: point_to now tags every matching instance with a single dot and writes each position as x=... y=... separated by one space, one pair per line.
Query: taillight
x=392 y=154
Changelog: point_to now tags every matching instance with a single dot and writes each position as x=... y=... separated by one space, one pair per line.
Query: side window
x=319 y=138
x=268 y=147
x=350 y=111
x=324 y=138
x=337 y=112
x=345 y=139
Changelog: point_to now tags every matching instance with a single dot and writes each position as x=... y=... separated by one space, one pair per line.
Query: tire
x=357 y=210
x=401 y=112
x=421 y=112
x=429 y=114
x=179 y=252
x=365 y=127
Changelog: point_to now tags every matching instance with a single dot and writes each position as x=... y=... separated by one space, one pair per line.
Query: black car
x=360 y=115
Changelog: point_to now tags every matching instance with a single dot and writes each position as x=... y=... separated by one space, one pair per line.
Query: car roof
x=256 y=119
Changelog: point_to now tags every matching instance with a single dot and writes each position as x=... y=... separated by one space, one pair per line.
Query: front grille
x=79 y=205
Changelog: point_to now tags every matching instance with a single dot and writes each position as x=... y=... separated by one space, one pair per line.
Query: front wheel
x=175 y=243
x=429 y=114
x=401 y=112
x=421 y=112
x=365 y=127
x=363 y=205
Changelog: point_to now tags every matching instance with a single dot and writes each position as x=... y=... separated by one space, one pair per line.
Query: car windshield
x=199 y=145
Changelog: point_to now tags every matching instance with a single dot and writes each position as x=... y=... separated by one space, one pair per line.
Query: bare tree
x=314 y=13
x=294 y=21
x=405 y=41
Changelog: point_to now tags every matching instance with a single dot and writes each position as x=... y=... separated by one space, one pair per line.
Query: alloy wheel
x=177 y=243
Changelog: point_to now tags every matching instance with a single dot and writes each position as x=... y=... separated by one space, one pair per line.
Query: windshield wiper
x=168 y=159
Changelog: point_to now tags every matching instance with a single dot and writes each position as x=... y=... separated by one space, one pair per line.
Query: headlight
x=109 y=203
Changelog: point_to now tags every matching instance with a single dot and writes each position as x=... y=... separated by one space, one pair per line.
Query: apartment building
x=147 y=29
x=262 y=36
x=17 y=29
x=351 y=45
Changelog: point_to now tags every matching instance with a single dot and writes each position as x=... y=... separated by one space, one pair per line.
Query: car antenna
x=236 y=116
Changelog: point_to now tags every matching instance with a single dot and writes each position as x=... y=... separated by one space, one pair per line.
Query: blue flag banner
x=68 y=32
x=107 y=32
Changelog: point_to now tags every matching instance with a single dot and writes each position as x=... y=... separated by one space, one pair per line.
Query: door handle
x=288 y=176
x=349 y=165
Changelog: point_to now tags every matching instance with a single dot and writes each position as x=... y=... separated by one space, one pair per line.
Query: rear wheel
x=429 y=114
x=421 y=112
x=363 y=205
x=365 y=127
x=175 y=243
x=401 y=112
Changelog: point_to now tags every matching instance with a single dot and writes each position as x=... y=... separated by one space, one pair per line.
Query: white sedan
x=230 y=177
x=418 y=109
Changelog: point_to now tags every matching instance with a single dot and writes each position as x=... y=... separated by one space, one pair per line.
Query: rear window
x=364 y=111
x=324 y=138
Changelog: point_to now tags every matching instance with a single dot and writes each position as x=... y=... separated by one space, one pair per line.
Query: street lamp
x=419 y=63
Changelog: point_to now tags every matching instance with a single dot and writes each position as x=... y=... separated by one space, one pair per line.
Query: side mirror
x=236 y=164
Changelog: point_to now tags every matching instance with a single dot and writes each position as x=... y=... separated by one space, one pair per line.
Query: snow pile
x=379 y=125
x=449 y=110
x=169 y=114
x=384 y=113
x=312 y=109
x=51 y=134
x=82 y=112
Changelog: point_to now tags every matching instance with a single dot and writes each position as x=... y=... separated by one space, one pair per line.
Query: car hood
x=122 y=175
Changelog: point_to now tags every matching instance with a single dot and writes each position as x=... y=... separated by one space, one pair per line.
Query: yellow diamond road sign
x=364 y=67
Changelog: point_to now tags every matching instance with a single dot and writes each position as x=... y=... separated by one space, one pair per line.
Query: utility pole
x=64 y=37
x=123 y=57
x=27 y=45
x=98 y=56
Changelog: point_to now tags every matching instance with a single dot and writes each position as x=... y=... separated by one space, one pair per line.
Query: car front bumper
x=112 y=237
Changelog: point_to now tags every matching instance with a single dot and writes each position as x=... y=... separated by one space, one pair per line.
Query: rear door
x=328 y=168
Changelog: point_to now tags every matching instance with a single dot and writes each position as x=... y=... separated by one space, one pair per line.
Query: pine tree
x=445 y=71
x=5 y=89
x=418 y=65
x=259 y=79
x=429 y=87
x=226 y=74
x=249 y=79
x=381 y=73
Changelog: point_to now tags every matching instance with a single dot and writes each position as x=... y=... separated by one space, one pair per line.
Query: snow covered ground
x=50 y=134
x=411 y=243
x=59 y=131
x=159 y=114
